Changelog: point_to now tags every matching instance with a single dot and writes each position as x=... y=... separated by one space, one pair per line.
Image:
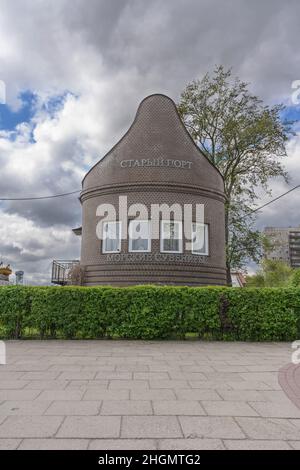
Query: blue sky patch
x=291 y=113
x=9 y=119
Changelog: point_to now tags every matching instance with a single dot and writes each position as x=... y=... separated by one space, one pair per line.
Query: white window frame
x=130 y=240
x=162 y=222
x=206 y=239
x=104 y=237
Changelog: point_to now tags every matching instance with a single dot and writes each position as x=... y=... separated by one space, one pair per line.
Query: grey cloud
x=282 y=213
x=8 y=250
x=165 y=43
x=46 y=213
x=112 y=54
x=170 y=43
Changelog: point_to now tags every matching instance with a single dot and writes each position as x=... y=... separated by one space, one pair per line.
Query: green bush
x=295 y=279
x=15 y=310
x=56 y=310
x=264 y=314
x=150 y=312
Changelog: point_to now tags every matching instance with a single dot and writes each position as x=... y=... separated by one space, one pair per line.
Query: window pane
x=140 y=245
x=200 y=239
x=139 y=235
x=171 y=234
x=171 y=245
x=111 y=236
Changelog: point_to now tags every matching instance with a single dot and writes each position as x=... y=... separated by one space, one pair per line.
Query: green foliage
x=264 y=314
x=274 y=273
x=15 y=310
x=150 y=312
x=256 y=280
x=56 y=309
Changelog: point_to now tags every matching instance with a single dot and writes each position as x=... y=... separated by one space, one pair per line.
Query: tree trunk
x=228 y=275
x=228 y=272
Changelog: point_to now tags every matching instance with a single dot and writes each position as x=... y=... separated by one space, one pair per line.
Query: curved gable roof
x=157 y=134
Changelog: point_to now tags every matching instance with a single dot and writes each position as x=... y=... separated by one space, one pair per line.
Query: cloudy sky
x=75 y=72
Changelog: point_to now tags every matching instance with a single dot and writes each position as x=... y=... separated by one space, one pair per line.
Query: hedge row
x=150 y=312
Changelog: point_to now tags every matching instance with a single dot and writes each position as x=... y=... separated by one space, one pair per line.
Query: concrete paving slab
x=126 y=407
x=228 y=408
x=162 y=394
x=178 y=407
x=122 y=444
x=103 y=394
x=255 y=445
x=54 y=444
x=90 y=426
x=73 y=408
x=269 y=428
x=197 y=394
x=210 y=426
x=276 y=410
x=30 y=426
x=60 y=395
x=23 y=408
x=9 y=444
x=150 y=427
x=190 y=444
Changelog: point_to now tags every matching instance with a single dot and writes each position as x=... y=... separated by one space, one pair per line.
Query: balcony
x=61 y=271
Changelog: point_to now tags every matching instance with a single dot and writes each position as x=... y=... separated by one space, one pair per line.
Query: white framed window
x=139 y=235
x=200 y=244
x=171 y=236
x=111 y=241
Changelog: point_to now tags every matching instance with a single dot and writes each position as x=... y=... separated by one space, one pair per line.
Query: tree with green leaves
x=246 y=141
x=273 y=273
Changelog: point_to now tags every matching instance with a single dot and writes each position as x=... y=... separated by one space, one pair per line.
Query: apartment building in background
x=285 y=245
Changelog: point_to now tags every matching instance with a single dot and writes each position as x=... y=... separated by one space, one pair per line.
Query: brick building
x=156 y=162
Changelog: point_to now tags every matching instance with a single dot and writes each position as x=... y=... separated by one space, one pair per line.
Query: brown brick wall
x=157 y=133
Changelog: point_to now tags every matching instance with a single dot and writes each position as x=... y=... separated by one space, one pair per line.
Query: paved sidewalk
x=145 y=395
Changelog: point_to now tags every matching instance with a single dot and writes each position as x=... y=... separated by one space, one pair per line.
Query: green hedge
x=150 y=312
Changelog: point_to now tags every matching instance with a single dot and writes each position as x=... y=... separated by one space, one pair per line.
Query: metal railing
x=61 y=270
